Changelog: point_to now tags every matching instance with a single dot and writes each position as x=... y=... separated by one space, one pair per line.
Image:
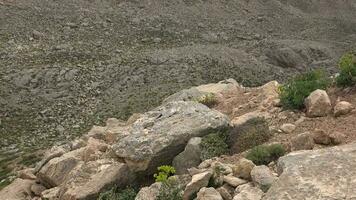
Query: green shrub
x=347 y=65
x=170 y=190
x=264 y=154
x=254 y=132
x=209 y=100
x=213 y=145
x=164 y=172
x=294 y=92
x=117 y=194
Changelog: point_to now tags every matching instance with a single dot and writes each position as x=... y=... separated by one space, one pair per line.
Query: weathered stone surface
x=198 y=181
x=56 y=170
x=221 y=87
x=324 y=174
x=318 y=104
x=226 y=191
x=303 y=141
x=189 y=158
x=321 y=137
x=161 y=134
x=51 y=194
x=208 y=194
x=37 y=189
x=88 y=180
x=243 y=169
x=149 y=193
x=263 y=177
x=288 y=128
x=27 y=174
x=248 y=192
x=241 y=120
x=185 y=95
x=337 y=138
x=54 y=152
x=342 y=108
x=234 y=181
x=19 y=189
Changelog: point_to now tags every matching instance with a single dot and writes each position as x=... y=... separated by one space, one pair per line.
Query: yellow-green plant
x=209 y=100
x=164 y=172
x=264 y=154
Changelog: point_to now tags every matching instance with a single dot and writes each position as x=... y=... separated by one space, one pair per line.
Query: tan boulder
x=243 y=169
x=342 y=108
x=303 y=141
x=321 y=137
x=288 y=128
x=149 y=193
x=198 y=181
x=318 y=104
x=208 y=194
x=337 y=138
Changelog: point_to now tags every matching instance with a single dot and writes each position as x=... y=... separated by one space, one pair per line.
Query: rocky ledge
x=127 y=152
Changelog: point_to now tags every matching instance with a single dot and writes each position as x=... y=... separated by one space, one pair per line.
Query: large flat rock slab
x=326 y=174
x=159 y=135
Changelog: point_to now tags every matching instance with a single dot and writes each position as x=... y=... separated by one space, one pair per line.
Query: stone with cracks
x=324 y=174
x=161 y=134
x=198 y=181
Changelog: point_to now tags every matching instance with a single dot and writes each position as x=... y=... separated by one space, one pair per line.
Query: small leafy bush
x=254 y=132
x=294 y=92
x=264 y=154
x=170 y=190
x=213 y=145
x=347 y=65
x=117 y=194
x=164 y=172
x=209 y=100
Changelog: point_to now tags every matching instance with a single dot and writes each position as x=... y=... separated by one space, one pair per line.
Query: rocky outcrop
x=318 y=104
x=161 y=134
x=319 y=175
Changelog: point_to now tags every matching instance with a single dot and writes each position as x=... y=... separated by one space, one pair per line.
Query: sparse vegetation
x=347 y=65
x=294 y=92
x=164 y=172
x=170 y=190
x=117 y=194
x=209 y=100
x=253 y=133
x=264 y=154
x=214 y=145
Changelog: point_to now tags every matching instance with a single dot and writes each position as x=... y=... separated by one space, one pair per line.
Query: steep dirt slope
x=65 y=65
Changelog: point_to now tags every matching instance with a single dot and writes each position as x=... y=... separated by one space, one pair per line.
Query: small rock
x=198 y=181
x=303 y=141
x=320 y=137
x=337 y=138
x=37 y=189
x=189 y=158
x=234 y=181
x=243 y=169
x=37 y=35
x=157 y=40
x=226 y=191
x=342 y=108
x=318 y=104
x=27 y=174
x=263 y=177
x=248 y=192
x=149 y=193
x=288 y=128
x=208 y=194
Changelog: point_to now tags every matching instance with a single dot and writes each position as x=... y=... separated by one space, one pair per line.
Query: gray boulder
x=161 y=134
x=324 y=174
x=189 y=158
x=263 y=177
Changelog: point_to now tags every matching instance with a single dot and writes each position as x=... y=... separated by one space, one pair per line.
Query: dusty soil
x=66 y=65
x=239 y=102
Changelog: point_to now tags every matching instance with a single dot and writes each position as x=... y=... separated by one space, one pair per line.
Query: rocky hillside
x=318 y=144
x=67 y=65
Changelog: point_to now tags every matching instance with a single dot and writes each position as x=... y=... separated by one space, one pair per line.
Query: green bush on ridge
x=293 y=93
x=347 y=75
x=264 y=154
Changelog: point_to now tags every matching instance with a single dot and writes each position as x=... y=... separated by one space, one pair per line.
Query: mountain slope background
x=66 y=65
